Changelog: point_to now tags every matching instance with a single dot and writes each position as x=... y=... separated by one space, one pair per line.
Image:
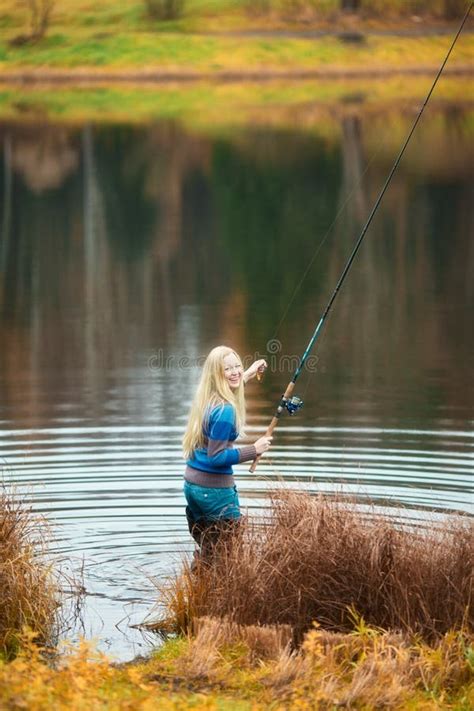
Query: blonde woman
x=216 y=419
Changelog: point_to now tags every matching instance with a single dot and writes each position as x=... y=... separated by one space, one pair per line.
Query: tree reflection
x=111 y=234
x=274 y=205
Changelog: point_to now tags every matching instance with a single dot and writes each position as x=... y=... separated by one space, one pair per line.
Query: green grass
x=120 y=35
x=207 y=54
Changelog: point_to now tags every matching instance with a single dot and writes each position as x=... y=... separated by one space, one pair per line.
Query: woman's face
x=233 y=371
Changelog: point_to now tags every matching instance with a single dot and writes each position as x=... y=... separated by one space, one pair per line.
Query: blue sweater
x=218 y=455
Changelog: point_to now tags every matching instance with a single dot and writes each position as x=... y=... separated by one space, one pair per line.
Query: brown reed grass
x=28 y=584
x=319 y=558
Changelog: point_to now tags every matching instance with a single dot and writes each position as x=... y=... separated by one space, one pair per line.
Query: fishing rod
x=289 y=402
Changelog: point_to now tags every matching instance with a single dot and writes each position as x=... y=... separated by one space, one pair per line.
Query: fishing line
x=339 y=213
x=288 y=401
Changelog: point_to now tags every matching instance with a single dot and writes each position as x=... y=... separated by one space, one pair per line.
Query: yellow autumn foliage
x=225 y=666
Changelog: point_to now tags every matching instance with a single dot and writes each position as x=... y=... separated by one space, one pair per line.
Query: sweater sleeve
x=247 y=454
x=220 y=451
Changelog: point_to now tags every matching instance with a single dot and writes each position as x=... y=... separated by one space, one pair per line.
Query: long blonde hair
x=213 y=390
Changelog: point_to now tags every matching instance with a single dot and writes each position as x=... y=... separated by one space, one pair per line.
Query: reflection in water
x=125 y=250
x=44 y=161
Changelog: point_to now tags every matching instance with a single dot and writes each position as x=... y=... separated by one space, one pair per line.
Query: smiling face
x=233 y=370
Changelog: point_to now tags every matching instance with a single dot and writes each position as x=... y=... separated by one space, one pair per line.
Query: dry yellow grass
x=367 y=668
x=229 y=667
x=28 y=582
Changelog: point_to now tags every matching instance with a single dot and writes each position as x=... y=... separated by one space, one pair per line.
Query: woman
x=216 y=419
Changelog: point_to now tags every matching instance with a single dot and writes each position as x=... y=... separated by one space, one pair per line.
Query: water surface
x=127 y=253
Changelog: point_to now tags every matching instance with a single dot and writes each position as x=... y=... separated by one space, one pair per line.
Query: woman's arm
x=221 y=434
x=257 y=366
x=220 y=452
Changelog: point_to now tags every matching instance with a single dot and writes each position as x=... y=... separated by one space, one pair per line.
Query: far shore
x=118 y=52
x=80 y=75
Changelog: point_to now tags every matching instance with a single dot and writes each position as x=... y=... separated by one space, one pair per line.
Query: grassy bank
x=225 y=667
x=118 y=37
x=171 y=54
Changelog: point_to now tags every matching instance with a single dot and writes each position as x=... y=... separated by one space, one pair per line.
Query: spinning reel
x=294 y=404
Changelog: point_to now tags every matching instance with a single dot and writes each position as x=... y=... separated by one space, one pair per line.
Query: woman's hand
x=263 y=444
x=257 y=367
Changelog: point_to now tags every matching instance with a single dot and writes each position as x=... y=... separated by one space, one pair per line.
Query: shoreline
x=158 y=75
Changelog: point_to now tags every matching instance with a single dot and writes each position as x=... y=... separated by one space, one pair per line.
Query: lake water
x=126 y=253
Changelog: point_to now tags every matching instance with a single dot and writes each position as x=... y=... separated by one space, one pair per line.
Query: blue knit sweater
x=218 y=455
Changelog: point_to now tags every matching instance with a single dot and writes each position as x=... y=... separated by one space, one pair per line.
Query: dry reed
x=211 y=636
x=365 y=669
x=318 y=558
x=28 y=582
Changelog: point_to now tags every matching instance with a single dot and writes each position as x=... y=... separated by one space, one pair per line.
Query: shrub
x=28 y=585
x=165 y=9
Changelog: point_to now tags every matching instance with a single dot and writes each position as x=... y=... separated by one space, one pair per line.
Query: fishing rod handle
x=268 y=433
x=286 y=396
